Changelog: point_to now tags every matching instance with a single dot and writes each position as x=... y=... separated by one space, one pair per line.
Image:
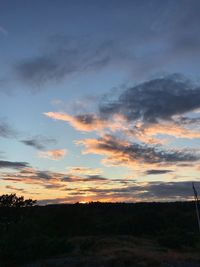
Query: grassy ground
x=121 y=251
x=100 y=235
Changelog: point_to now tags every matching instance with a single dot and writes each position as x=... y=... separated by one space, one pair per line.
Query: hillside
x=100 y=234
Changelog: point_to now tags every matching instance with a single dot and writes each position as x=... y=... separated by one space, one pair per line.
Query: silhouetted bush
x=13 y=201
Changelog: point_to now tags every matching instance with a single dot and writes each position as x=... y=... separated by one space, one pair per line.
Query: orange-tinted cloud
x=167 y=128
x=84 y=171
x=90 y=122
x=144 y=132
x=86 y=122
x=120 y=152
x=56 y=154
x=152 y=191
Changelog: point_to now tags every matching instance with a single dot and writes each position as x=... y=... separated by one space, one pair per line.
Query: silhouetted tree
x=13 y=201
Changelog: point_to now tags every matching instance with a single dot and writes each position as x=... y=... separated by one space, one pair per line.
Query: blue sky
x=100 y=100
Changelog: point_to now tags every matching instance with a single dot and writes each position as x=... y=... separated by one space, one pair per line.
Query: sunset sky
x=99 y=99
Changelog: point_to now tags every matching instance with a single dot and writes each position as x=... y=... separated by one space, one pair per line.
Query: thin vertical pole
x=196 y=204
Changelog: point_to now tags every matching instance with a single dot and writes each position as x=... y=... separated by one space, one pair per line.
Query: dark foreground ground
x=100 y=235
x=120 y=251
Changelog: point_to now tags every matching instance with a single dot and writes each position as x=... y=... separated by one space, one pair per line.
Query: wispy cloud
x=134 y=128
x=55 y=154
x=153 y=191
x=157 y=172
x=93 y=187
x=39 y=142
x=13 y=164
x=78 y=170
x=122 y=152
x=6 y=130
x=85 y=122
x=65 y=56
x=16 y=189
x=156 y=107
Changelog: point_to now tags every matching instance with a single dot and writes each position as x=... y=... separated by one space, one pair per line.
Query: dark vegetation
x=29 y=233
x=17 y=202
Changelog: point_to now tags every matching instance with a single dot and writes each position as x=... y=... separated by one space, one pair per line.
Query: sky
x=99 y=100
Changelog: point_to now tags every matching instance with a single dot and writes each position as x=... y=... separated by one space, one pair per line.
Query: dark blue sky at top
x=157 y=35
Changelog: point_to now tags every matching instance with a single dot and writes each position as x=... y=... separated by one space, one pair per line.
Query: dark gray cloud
x=87 y=178
x=13 y=188
x=6 y=130
x=54 y=186
x=13 y=164
x=57 y=201
x=153 y=191
x=155 y=99
x=44 y=175
x=168 y=34
x=155 y=172
x=34 y=175
x=170 y=190
x=64 y=56
x=40 y=69
x=149 y=36
x=86 y=119
x=133 y=152
x=33 y=143
x=185 y=121
x=39 y=142
x=95 y=178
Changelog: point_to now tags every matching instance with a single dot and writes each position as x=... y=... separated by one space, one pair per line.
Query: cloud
x=88 y=178
x=40 y=69
x=90 y=122
x=96 y=178
x=147 y=112
x=56 y=154
x=157 y=172
x=6 y=131
x=153 y=191
x=96 y=187
x=57 y=201
x=29 y=175
x=154 y=100
x=43 y=175
x=39 y=142
x=64 y=56
x=170 y=190
x=120 y=152
x=85 y=122
x=148 y=131
x=167 y=39
x=13 y=164
x=78 y=170
x=54 y=186
x=50 y=180
x=33 y=143
x=14 y=188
